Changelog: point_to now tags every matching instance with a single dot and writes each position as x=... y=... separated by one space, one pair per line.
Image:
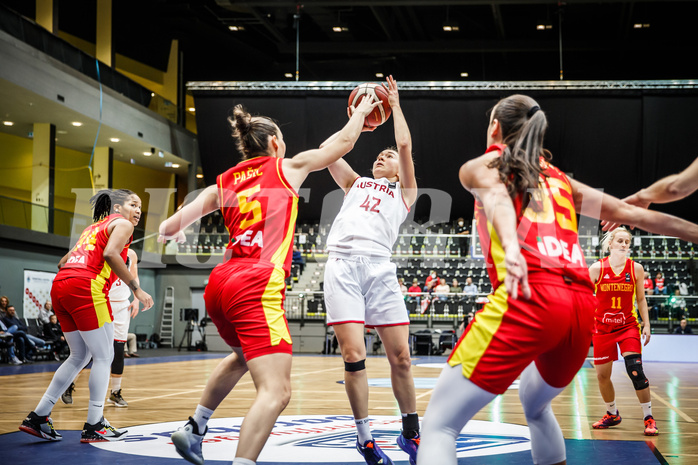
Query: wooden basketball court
x=167 y=389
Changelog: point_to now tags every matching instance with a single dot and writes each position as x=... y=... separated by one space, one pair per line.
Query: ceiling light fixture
x=641 y=25
x=288 y=75
x=463 y=74
x=199 y=176
x=8 y=123
x=379 y=75
x=77 y=124
x=147 y=154
x=340 y=26
x=542 y=25
x=175 y=165
x=236 y=28
x=115 y=139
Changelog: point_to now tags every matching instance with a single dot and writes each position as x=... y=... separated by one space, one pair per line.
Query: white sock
x=646 y=409
x=611 y=407
x=45 y=406
x=115 y=384
x=201 y=417
x=95 y=411
x=363 y=430
x=241 y=461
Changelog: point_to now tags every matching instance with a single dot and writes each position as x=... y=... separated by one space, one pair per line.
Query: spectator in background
x=403 y=288
x=131 y=346
x=8 y=340
x=432 y=277
x=45 y=312
x=298 y=259
x=19 y=330
x=4 y=302
x=677 y=303
x=414 y=292
x=455 y=287
x=470 y=288
x=464 y=241
x=442 y=290
x=649 y=285
x=682 y=287
x=53 y=334
x=659 y=287
x=683 y=328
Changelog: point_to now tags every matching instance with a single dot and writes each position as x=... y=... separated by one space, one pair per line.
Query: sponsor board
x=317 y=439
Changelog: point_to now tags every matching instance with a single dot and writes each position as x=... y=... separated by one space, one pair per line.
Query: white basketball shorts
x=122 y=318
x=363 y=290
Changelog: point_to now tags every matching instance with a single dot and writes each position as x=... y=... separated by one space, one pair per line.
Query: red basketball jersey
x=547 y=233
x=615 y=294
x=259 y=208
x=87 y=257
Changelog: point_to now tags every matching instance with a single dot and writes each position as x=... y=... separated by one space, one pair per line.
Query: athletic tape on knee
x=117 y=365
x=355 y=366
x=633 y=364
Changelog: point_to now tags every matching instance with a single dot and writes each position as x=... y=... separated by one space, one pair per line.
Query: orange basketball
x=381 y=113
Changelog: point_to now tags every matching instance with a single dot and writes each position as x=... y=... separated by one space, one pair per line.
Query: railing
x=665 y=311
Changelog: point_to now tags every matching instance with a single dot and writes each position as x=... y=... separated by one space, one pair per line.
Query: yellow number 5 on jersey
x=252 y=206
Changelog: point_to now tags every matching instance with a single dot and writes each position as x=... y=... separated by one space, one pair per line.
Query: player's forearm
x=403 y=138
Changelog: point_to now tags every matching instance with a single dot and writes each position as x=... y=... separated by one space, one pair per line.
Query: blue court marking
x=6 y=370
x=22 y=448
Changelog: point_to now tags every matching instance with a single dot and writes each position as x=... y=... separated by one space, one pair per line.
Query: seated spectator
x=683 y=328
x=4 y=302
x=470 y=288
x=53 y=334
x=432 y=277
x=414 y=292
x=9 y=339
x=659 y=287
x=442 y=290
x=298 y=259
x=19 y=330
x=649 y=285
x=682 y=287
x=131 y=346
x=403 y=288
x=455 y=288
x=45 y=312
x=677 y=303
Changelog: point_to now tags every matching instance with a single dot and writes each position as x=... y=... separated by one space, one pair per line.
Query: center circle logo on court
x=316 y=439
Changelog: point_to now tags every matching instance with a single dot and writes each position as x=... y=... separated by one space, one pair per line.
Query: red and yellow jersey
x=259 y=207
x=616 y=297
x=546 y=229
x=86 y=260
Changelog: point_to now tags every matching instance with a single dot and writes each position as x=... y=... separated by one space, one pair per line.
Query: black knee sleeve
x=633 y=364
x=355 y=366
x=117 y=365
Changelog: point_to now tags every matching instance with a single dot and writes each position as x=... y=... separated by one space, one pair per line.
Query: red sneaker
x=651 y=426
x=607 y=421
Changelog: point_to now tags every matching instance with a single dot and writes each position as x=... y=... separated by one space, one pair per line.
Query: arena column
x=43 y=159
x=103 y=168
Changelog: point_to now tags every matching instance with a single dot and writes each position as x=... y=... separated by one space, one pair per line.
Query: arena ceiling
x=416 y=40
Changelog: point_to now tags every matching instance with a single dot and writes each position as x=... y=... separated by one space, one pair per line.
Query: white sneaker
x=15 y=361
x=187 y=441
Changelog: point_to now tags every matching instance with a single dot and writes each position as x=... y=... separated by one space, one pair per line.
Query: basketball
x=381 y=113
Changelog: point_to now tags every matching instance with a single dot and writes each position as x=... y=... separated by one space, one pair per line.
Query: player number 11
x=613 y=302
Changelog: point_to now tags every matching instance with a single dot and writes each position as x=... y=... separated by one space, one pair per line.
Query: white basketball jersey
x=369 y=220
x=119 y=291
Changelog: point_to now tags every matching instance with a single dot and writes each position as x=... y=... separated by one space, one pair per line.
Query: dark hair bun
x=242 y=121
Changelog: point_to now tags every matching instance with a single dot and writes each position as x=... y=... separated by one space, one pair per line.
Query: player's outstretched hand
x=632 y=200
x=391 y=89
x=517 y=272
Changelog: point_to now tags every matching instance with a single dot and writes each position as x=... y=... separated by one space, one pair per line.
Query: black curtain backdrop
x=618 y=141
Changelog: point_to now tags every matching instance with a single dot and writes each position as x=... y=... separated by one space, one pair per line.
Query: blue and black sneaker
x=372 y=453
x=410 y=446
